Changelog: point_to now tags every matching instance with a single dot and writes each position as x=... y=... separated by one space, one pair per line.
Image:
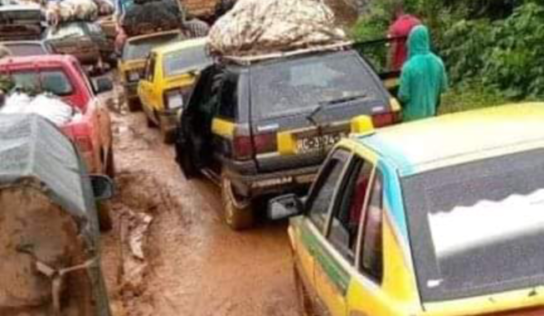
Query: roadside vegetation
x=492 y=48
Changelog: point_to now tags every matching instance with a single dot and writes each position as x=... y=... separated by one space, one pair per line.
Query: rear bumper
x=273 y=183
x=131 y=91
x=169 y=120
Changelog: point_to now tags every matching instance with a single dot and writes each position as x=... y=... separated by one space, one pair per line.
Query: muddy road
x=170 y=254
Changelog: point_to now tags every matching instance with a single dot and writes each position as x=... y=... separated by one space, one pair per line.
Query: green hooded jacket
x=423 y=77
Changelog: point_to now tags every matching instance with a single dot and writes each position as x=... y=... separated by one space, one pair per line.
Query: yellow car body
x=131 y=65
x=389 y=274
x=169 y=78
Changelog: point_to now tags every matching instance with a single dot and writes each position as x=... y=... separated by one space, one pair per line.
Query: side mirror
x=103 y=187
x=284 y=207
x=103 y=85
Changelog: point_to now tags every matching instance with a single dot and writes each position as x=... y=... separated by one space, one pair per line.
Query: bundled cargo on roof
x=258 y=27
x=71 y=10
x=152 y=16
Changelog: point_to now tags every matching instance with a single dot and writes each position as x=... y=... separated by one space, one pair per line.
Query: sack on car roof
x=256 y=27
x=152 y=16
x=71 y=10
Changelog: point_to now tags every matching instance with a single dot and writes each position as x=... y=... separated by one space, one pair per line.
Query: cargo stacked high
x=144 y=26
x=285 y=87
x=74 y=31
x=25 y=21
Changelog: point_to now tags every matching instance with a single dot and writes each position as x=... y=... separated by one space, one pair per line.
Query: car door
x=310 y=252
x=145 y=86
x=193 y=144
x=336 y=255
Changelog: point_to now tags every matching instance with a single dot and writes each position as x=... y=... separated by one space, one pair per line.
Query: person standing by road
x=399 y=31
x=423 y=77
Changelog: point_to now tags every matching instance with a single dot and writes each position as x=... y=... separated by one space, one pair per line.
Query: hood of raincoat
x=419 y=42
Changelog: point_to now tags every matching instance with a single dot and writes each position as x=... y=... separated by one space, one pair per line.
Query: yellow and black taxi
x=131 y=65
x=169 y=78
x=262 y=127
x=441 y=217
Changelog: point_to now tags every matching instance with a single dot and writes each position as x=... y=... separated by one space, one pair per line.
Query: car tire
x=304 y=303
x=134 y=105
x=105 y=221
x=238 y=214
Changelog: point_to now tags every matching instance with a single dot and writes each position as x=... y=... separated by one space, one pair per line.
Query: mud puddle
x=170 y=252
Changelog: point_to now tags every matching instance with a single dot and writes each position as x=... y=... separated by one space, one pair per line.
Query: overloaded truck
x=49 y=232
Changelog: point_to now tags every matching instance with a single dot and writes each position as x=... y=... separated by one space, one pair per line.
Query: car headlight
x=133 y=75
x=173 y=99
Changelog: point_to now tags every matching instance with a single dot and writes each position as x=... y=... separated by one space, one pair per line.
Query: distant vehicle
x=262 y=127
x=50 y=228
x=166 y=86
x=132 y=62
x=84 y=40
x=26 y=48
x=21 y=22
x=431 y=218
x=63 y=76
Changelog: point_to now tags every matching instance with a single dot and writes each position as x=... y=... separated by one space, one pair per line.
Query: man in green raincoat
x=423 y=78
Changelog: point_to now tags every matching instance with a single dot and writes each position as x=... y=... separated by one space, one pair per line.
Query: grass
x=469 y=97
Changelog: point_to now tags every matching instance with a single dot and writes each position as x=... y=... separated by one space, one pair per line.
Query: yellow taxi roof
x=461 y=137
x=176 y=46
x=151 y=35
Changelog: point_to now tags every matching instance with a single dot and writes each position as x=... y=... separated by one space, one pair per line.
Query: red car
x=63 y=76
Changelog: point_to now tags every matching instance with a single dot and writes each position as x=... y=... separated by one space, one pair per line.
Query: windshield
x=139 y=49
x=25 y=49
x=194 y=58
x=302 y=84
x=54 y=81
x=478 y=228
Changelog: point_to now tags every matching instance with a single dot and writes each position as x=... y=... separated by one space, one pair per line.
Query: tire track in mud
x=194 y=264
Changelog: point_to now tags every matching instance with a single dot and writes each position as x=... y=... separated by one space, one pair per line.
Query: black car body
x=263 y=128
x=85 y=40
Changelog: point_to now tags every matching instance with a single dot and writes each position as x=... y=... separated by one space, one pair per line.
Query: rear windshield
x=25 y=49
x=54 y=81
x=141 y=48
x=194 y=58
x=70 y=30
x=478 y=228
x=297 y=85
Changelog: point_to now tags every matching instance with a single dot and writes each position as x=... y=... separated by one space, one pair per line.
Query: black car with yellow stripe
x=262 y=127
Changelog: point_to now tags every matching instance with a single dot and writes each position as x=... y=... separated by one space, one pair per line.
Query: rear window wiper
x=343 y=100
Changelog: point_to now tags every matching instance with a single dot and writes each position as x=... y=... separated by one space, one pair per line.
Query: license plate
x=315 y=143
x=176 y=101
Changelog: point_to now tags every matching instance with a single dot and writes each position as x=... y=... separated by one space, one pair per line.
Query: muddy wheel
x=134 y=105
x=110 y=164
x=238 y=213
x=104 y=216
x=303 y=298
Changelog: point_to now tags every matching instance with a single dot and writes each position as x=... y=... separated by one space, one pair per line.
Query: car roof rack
x=248 y=60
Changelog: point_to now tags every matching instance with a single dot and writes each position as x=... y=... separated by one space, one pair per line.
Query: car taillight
x=84 y=144
x=265 y=143
x=242 y=147
x=385 y=119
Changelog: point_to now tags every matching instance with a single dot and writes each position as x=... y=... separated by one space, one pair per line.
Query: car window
x=372 y=243
x=26 y=49
x=150 y=68
x=346 y=215
x=70 y=30
x=140 y=48
x=184 y=60
x=322 y=194
x=54 y=81
x=299 y=85
x=229 y=98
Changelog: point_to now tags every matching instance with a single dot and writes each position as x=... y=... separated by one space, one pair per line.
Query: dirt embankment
x=170 y=252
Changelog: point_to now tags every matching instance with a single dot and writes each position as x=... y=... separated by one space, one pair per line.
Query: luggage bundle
x=260 y=27
x=77 y=10
x=152 y=16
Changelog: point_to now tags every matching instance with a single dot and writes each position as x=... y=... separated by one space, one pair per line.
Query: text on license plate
x=315 y=143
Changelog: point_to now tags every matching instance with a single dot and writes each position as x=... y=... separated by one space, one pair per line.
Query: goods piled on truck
x=152 y=16
x=77 y=10
x=259 y=27
x=21 y=22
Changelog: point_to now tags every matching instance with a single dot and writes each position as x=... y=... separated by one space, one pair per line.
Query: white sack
x=44 y=105
x=71 y=10
x=256 y=27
